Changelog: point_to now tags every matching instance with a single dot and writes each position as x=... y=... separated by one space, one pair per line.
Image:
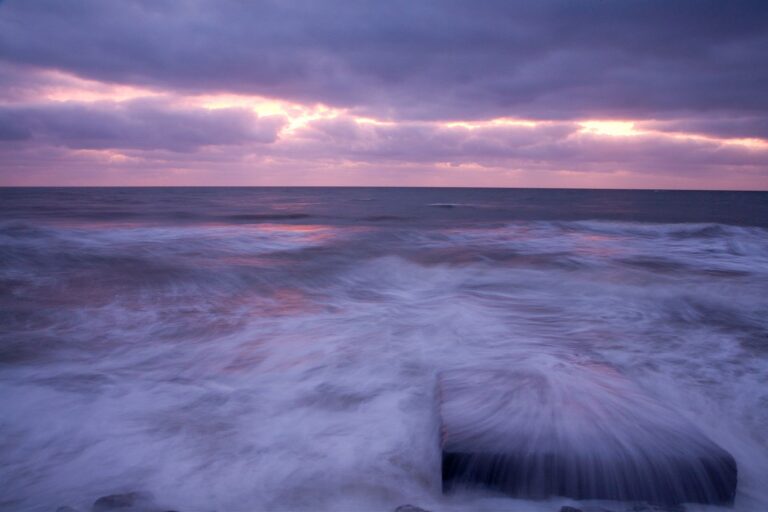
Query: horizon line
x=649 y=189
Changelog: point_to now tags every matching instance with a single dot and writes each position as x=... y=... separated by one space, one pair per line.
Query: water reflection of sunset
x=312 y=232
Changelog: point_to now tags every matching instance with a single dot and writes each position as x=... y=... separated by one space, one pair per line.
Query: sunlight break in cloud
x=293 y=94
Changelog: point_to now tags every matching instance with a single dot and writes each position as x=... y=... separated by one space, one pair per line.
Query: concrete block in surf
x=577 y=430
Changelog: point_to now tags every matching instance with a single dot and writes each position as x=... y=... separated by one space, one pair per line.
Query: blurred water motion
x=584 y=431
x=279 y=349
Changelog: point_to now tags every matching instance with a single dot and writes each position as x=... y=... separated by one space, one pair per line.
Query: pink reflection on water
x=314 y=232
x=596 y=245
x=281 y=304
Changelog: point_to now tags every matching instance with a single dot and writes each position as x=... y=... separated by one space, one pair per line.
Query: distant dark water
x=276 y=348
x=411 y=205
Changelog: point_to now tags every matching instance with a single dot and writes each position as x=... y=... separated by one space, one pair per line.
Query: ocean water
x=256 y=349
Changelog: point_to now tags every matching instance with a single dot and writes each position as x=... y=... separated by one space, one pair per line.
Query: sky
x=481 y=93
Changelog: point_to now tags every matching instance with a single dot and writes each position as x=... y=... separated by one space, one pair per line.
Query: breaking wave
x=288 y=364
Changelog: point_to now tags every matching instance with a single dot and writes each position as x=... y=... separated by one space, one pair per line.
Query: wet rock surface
x=128 y=502
x=410 y=508
x=588 y=434
x=645 y=507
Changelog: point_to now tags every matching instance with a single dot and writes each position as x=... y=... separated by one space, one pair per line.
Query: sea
x=277 y=349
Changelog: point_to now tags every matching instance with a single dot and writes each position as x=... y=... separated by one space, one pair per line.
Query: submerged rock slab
x=581 y=431
x=129 y=500
x=410 y=508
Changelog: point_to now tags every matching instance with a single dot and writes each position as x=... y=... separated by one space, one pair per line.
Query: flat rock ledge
x=585 y=432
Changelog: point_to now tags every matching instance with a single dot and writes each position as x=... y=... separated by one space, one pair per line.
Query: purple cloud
x=138 y=124
x=549 y=59
x=129 y=77
x=548 y=146
x=731 y=127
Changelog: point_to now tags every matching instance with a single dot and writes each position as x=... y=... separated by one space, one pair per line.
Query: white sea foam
x=294 y=368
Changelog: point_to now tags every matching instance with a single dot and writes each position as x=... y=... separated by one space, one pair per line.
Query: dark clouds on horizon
x=697 y=66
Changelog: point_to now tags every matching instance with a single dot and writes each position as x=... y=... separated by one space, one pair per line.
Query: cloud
x=422 y=141
x=142 y=134
x=170 y=90
x=137 y=124
x=733 y=127
x=438 y=59
x=547 y=146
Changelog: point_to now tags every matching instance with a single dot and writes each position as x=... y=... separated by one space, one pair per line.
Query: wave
x=252 y=217
x=672 y=230
x=294 y=364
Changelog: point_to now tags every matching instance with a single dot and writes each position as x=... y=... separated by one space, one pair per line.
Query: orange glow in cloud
x=750 y=143
x=72 y=88
x=754 y=144
x=629 y=129
x=298 y=115
x=261 y=106
x=65 y=87
x=109 y=156
x=491 y=123
x=610 y=128
x=372 y=121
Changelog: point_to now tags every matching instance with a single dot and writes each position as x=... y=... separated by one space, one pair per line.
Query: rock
x=568 y=508
x=409 y=508
x=582 y=431
x=588 y=508
x=645 y=507
x=119 y=501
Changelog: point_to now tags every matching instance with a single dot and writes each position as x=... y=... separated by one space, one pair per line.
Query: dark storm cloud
x=145 y=125
x=441 y=59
